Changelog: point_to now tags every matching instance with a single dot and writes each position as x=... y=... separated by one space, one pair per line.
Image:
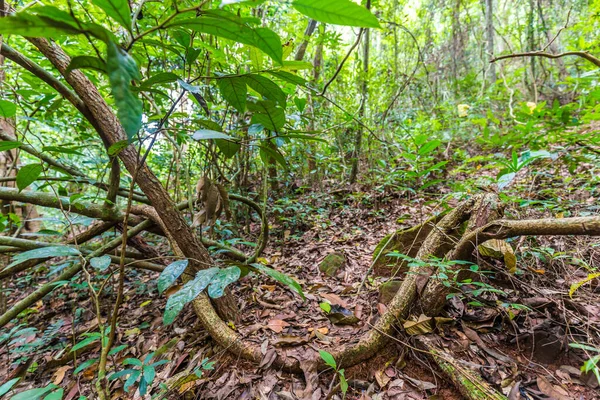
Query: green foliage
x=281 y=278
x=339 y=12
x=44 y=252
x=122 y=69
x=170 y=274
x=143 y=372
x=28 y=174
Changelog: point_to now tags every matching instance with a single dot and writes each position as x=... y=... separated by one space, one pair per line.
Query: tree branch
x=582 y=54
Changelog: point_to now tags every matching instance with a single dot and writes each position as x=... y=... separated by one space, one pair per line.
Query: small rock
x=331 y=263
x=388 y=290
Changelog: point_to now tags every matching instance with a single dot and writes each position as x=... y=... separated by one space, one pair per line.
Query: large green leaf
x=234 y=91
x=117 y=10
x=51 y=22
x=338 y=12
x=5 y=388
x=266 y=87
x=8 y=145
x=281 y=278
x=8 y=109
x=224 y=277
x=163 y=77
x=289 y=77
x=122 y=69
x=233 y=28
x=188 y=292
x=203 y=134
x=267 y=114
x=44 y=252
x=229 y=148
x=81 y=62
x=170 y=274
x=34 y=394
x=28 y=174
x=267 y=153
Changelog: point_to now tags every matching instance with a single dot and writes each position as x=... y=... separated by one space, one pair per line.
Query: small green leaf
x=163 y=77
x=328 y=358
x=325 y=307
x=84 y=342
x=89 y=62
x=117 y=10
x=224 y=277
x=117 y=147
x=122 y=69
x=338 y=12
x=203 y=134
x=188 y=292
x=100 y=263
x=7 y=109
x=281 y=278
x=170 y=274
x=85 y=365
x=131 y=380
x=343 y=382
x=429 y=147
x=28 y=174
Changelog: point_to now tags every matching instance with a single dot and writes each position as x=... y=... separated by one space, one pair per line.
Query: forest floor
x=514 y=332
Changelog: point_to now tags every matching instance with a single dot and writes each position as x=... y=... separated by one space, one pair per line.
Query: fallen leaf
x=382 y=379
x=419 y=327
x=289 y=340
x=550 y=390
x=277 y=325
x=334 y=299
x=60 y=374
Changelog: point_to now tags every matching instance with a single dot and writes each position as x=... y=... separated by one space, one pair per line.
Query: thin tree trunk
x=363 y=106
x=489 y=30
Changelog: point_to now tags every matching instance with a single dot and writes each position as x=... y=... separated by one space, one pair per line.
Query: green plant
x=593 y=362
x=330 y=361
x=142 y=371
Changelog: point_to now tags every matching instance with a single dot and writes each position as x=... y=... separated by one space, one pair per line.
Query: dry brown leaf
x=382 y=379
x=334 y=299
x=552 y=391
x=60 y=374
x=277 y=325
x=419 y=327
x=497 y=248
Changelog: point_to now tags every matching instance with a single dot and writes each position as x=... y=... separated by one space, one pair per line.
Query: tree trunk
x=363 y=106
x=489 y=30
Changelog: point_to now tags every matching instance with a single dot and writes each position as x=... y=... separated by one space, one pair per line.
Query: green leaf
x=163 y=77
x=328 y=358
x=6 y=145
x=266 y=153
x=170 y=274
x=28 y=174
x=219 y=282
x=33 y=394
x=325 y=307
x=61 y=149
x=281 y=278
x=266 y=87
x=51 y=22
x=149 y=374
x=429 y=147
x=343 y=382
x=131 y=380
x=56 y=395
x=85 y=365
x=117 y=10
x=338 y=12
x=6 y=386
x=119 y=374
x=89 y=62
x=234 y=91
x=122 y=69
x=188 y=292
x=203 y=134
x=229 y=26
x=582 y=282
x=267 y=114
x=100 y=263
x=117 y=147
x=505 y=180
x=85 y=342
x=7 y=109
x=229 y=148
x=44 y=252
x=289 y=77
x=132 y=361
